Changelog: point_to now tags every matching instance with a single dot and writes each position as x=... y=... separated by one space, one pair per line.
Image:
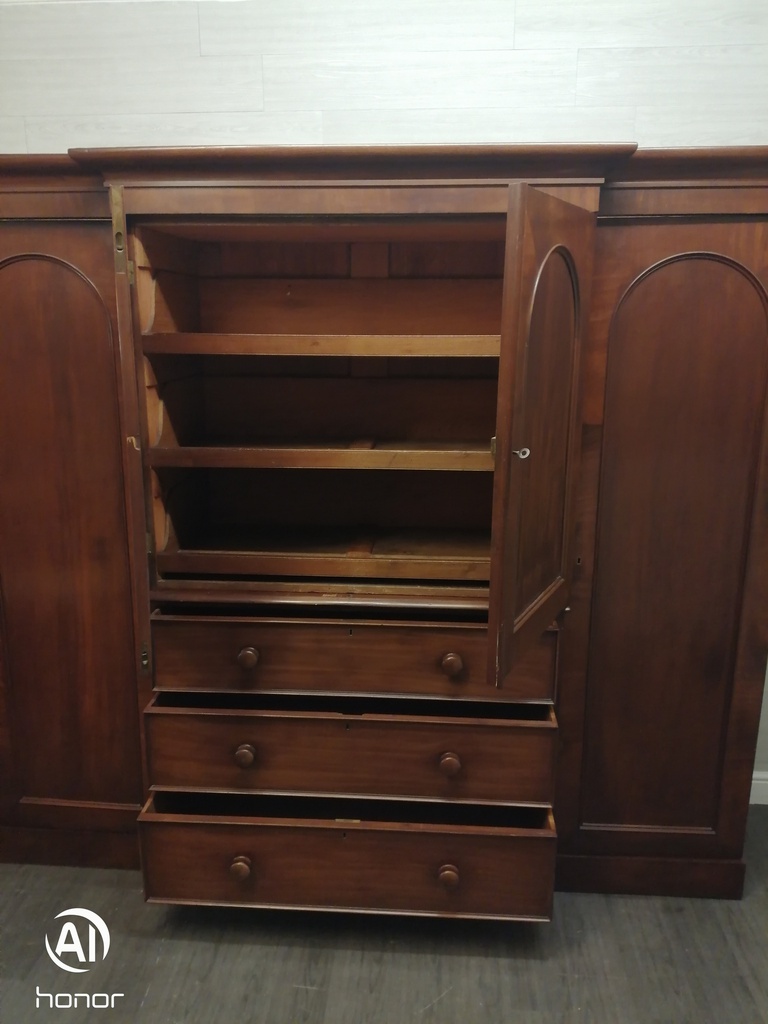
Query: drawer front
x=348 y=657
x=348 y=866
x=510 y=762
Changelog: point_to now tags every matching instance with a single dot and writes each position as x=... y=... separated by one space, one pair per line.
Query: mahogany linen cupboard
x=372 y=421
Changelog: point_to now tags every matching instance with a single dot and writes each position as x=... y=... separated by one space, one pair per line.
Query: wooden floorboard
x=604 y=959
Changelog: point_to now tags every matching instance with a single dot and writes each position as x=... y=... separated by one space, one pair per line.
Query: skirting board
x=759 y=794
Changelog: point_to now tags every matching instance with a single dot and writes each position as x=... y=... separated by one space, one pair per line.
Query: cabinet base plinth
x=651 y=876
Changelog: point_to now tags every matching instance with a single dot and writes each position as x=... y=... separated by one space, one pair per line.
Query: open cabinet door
x=547 y=269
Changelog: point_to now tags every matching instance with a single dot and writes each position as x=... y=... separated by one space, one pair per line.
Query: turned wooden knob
x=448 y=876
x=248 y=658
x=450 y=764
x=240 y=868
x=245 y=755
x=452 y=664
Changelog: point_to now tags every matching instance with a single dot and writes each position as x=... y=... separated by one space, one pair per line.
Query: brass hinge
x=131 y=268
x=493 y=447
x=150 y=543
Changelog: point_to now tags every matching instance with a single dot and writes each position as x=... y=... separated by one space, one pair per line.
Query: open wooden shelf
x=331 y=455
x=387 y=345
x=416 y=554
x=437 y=597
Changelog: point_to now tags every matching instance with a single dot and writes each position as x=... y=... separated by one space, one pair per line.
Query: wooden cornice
x=592 y=161
x=733 y=163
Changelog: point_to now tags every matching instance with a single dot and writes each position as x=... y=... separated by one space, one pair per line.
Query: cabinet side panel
x=63 y=557
x=683 y=413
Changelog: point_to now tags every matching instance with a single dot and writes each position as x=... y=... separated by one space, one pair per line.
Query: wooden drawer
x=343 y=855
x=339 y=657
x=414 y=748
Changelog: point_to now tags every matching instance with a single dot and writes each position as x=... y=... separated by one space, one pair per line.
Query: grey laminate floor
x=604 y=959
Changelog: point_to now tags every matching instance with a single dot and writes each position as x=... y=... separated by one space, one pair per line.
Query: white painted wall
x=177 y=72
x=760 y=777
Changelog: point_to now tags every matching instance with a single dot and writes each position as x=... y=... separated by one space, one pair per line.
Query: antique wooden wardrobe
x=384 y=529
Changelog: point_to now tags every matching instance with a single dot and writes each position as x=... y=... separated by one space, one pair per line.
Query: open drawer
x=386 y=856
x=436 y=749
